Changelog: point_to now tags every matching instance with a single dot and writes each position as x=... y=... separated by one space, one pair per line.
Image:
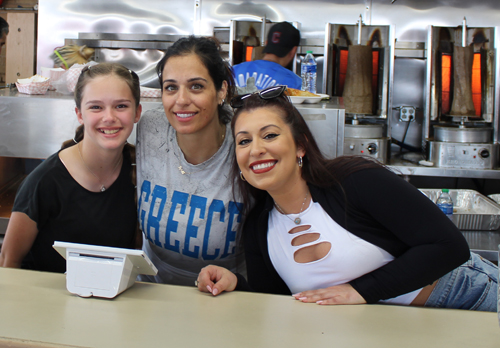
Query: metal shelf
x=407 y=168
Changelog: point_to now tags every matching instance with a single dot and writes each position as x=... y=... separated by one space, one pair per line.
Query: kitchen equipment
x=471 y=210
x=460 y=122
x=367 y=114
x=366 y=139
x=463 y=134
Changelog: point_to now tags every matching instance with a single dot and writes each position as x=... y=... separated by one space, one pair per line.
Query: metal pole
x=359 y=29
x=464 y=32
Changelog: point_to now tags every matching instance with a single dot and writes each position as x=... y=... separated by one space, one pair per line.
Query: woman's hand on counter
x=334 y=295
x=215 y=280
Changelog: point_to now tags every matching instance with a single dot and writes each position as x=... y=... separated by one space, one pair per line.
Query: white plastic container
x=93 y=270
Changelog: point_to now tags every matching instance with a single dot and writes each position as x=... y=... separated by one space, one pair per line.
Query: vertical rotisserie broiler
x=460 y=120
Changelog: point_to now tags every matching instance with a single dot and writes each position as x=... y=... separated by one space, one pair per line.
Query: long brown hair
x=106 y=69
x=316 y=169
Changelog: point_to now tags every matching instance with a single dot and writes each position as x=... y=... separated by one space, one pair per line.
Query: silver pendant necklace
x=103 y=188
x=297 y=220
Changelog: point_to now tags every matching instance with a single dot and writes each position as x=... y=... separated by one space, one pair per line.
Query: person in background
x=4 y=31
x=85 y=192
x=341 y=231
x=281 y=47
x=187 y=212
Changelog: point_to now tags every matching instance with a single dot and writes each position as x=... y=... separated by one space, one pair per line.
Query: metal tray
x=471 y=210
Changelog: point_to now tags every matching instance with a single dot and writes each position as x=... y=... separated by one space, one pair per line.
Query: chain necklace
x=297 y=220
x=183 y=172
x=103 y=188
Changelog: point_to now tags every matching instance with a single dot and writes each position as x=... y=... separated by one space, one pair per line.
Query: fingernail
x=319 y=302
x=295 y=295
x=209 y=288
x=302 y=298
x=216 y=291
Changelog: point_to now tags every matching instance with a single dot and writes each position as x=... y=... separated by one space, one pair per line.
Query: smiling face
x=266 y=152
x=108 y=112
x=189 y=96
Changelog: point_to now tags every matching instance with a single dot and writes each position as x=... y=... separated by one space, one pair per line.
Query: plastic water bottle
x=445 y=203
x=308 y=69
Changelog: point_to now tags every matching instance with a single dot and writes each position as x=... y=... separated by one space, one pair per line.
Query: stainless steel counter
x=34 y=126
x=484 y=243
x=407 y=168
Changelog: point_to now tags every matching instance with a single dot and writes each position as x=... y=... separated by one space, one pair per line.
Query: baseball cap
x=282 y=37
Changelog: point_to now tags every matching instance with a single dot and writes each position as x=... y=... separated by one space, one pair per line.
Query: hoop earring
x=300 y=162
x=241 y=176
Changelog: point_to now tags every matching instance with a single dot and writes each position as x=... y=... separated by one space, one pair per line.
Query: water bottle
x=445 y=203
x=308 y=69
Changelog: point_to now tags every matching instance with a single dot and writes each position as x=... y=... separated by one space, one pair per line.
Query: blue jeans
x=473 y=286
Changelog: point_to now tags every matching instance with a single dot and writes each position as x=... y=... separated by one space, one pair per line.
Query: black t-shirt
x=65 y=211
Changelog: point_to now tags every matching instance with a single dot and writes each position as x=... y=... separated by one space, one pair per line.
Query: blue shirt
x=266 y=73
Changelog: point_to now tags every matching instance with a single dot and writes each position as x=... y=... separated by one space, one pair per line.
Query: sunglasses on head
x=268 y=93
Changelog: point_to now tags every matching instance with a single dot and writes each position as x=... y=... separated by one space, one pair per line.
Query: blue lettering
x=156 y=200
x=178 y=198
x=200 y=203
x=234 y=209
x=159 y=193
x=217 y=206
x=146 y=191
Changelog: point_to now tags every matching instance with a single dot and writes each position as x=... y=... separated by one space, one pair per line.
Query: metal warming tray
x=471 y=210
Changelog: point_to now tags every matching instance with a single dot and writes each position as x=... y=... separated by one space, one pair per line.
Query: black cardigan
x=383 y=209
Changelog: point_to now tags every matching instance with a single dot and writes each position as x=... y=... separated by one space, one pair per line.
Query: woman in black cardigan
x=341 y=231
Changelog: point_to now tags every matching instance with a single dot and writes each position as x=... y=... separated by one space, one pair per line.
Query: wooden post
x=20 y=46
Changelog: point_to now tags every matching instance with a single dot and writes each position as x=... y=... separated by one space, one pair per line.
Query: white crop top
x=342 y=257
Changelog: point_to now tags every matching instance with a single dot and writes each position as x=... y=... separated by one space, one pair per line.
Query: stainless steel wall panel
x=313 y=15
x=35 y=126
x=62 y=19
x=410 y=78
x=143 y=62
x=411 y=17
